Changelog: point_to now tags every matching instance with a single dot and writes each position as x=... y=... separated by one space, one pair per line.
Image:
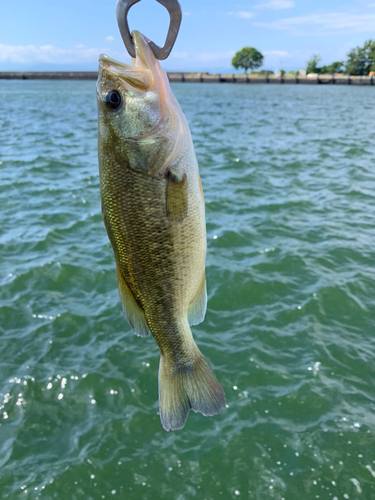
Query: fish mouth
x=138 y=76
x=108 y=62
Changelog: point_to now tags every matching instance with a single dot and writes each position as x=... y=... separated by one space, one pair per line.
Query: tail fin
x=187 y=386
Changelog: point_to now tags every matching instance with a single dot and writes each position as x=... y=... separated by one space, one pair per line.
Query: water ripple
x=289 y=182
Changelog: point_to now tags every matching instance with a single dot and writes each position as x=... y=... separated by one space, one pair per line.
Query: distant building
x=302 y=72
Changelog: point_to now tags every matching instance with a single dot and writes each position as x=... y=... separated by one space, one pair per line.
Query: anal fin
x=197 y=308
x=132 y=311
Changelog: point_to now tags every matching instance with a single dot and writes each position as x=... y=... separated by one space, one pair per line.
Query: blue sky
x=70 y=34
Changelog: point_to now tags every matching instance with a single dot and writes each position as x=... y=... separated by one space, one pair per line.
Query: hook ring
x=174 y=9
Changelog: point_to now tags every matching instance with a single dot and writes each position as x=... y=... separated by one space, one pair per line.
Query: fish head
x=128 y=101
x=138 y=114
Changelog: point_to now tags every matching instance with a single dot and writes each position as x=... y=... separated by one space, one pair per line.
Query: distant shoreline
x=198 y=77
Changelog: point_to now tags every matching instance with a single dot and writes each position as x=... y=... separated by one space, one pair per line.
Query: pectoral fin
x=197 y=308
x=177 y=197
x=132 y=311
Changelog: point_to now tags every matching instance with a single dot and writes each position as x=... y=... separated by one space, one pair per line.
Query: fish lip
x=140 y=43
x=106 y=61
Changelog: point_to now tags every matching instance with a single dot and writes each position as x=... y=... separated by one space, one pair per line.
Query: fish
x=154 y=214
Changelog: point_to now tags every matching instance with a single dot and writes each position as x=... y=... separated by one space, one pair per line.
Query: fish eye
x=113 y=99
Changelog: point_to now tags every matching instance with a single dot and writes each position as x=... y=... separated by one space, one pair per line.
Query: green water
x=289 y=179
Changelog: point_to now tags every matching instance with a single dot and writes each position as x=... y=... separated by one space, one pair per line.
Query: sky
x=70 y=34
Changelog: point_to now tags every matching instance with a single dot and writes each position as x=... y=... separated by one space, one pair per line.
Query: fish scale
x=149 y=248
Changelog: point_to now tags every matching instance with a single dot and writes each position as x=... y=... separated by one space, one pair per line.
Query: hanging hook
x=174 y=9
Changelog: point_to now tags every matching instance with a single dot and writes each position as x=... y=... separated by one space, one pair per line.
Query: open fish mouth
x=137 y=76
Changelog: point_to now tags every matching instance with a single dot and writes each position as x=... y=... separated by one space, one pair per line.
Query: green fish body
x=153 y=209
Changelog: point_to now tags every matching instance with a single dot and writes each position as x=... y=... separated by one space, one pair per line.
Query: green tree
x=335 y=67
x=312 y=64
x=247 y=58
x=361 y=60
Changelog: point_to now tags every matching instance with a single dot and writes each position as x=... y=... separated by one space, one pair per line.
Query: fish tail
x=188 y=386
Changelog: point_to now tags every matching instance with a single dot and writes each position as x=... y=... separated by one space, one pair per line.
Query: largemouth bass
x=153 y=209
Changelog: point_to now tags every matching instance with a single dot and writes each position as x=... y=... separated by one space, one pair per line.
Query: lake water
x=289 y=179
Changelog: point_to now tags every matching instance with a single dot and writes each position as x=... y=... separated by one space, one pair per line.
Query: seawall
x=198 y=78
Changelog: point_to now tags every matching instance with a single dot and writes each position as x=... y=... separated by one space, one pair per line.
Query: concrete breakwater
x=338 y=79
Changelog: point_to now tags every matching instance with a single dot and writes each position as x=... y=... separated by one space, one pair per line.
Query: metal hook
x=161 y=53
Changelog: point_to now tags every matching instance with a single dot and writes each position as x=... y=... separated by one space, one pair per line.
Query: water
x=289 y=181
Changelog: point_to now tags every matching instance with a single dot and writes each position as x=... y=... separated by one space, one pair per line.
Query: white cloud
x=243 y=14
x=207 y=57
x=47 y=54
x=187 y=13
x=276 y=5
x=109 y=38
x=277 y=53
x=246 y=15
x=330 y=21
